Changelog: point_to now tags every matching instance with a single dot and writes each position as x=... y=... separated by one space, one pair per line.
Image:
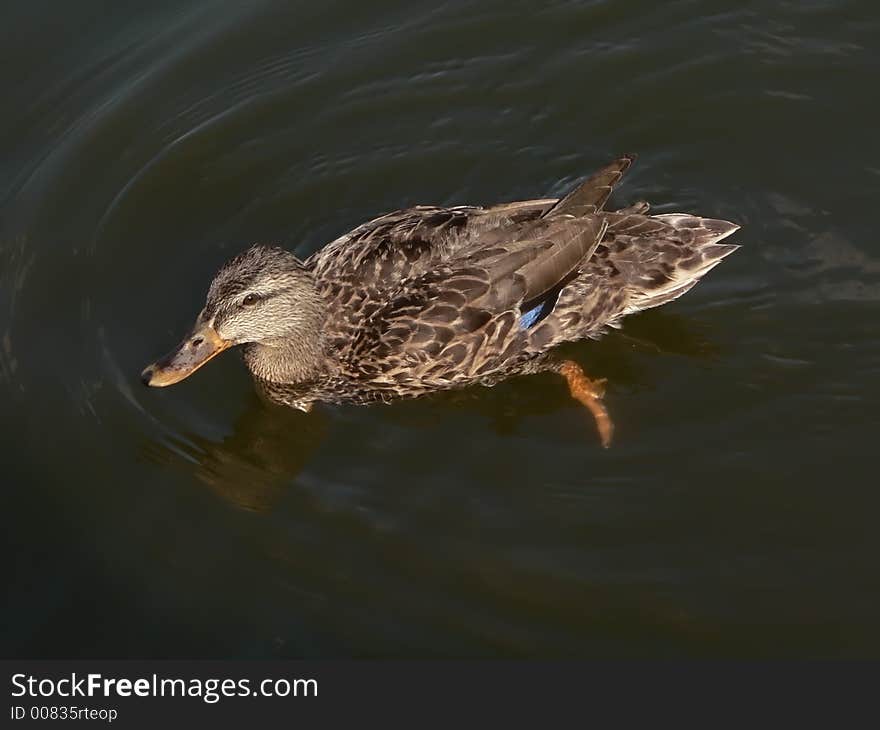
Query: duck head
x=263 y=298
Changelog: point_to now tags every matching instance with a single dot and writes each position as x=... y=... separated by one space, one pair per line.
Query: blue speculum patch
x=536 y=314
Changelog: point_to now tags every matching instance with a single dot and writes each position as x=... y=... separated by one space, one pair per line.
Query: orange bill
x=202 y=344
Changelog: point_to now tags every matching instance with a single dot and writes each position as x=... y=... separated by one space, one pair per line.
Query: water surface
x=143 y=144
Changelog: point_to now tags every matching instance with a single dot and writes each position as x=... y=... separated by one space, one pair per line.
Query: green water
x=143 y=144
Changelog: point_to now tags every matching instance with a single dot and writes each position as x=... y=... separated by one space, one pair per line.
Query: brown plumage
x=432 y=298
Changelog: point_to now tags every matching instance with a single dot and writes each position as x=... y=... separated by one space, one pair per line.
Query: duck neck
x=286 y=361
x=299 y=358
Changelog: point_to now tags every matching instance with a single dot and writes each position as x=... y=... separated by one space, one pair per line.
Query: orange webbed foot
x=589 y=393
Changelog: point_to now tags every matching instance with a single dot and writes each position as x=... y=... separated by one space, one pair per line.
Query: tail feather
x=639 y=261
x=674 y=264
x=662 y=296
x=707 y=230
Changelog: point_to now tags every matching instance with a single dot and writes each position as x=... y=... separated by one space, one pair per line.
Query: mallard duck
x=434 y=298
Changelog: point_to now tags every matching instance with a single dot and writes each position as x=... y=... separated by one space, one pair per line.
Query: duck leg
x=589 y=393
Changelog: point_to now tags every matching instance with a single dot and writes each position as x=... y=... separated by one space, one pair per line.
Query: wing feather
x=591 y=195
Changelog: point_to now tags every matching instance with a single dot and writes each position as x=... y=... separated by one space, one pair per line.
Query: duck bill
x=201 y=345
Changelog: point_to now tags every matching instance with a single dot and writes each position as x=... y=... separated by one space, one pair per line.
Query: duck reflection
x=250 y=467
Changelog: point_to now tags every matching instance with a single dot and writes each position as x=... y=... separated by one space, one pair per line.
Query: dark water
x=141 y=144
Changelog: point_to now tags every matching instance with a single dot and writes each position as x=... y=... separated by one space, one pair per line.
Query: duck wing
x=592 y=194
x=409 y=242
x=460 y=320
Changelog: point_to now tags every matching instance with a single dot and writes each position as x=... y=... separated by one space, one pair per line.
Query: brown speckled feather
x=430 y=298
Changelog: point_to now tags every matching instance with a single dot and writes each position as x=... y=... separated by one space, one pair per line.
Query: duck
x=434 y=298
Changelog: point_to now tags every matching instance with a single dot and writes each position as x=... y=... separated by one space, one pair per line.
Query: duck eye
x=250 y=299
